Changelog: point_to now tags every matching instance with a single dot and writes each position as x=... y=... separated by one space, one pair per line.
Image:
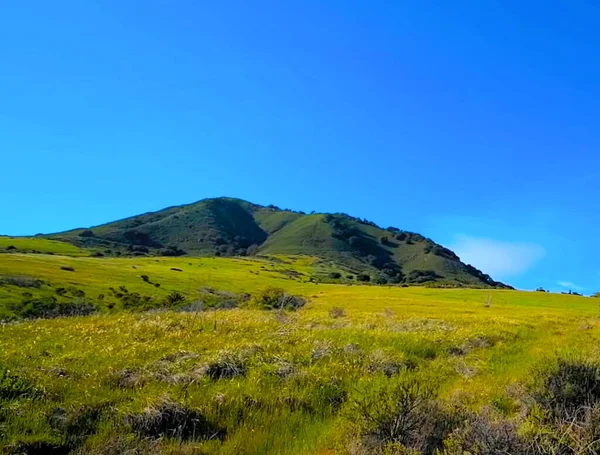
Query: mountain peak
x=227 y=226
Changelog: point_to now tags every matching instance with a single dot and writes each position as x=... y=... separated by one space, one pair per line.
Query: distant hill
x=229 y=227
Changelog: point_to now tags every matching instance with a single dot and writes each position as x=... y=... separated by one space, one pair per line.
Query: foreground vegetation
x=344 y=369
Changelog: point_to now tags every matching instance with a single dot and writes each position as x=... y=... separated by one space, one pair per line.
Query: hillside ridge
x=227 y=226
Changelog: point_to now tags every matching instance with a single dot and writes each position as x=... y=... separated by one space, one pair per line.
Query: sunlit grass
x=295 y=372
x=40 y=245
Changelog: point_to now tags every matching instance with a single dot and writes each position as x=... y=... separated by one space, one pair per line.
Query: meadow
x=358 y=369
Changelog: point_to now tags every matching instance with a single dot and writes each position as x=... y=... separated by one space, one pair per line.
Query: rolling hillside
x=233 y=227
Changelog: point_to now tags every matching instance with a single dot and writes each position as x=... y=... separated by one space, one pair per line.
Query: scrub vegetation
x=263 y=355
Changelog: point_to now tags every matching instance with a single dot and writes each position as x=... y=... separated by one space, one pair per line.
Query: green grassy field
x=40 y=245
x=320 y=380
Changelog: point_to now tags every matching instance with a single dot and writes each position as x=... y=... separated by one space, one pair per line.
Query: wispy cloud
x=570 y=285
x=500 y=259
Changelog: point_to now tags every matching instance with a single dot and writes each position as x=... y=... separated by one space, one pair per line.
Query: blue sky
x=474 y=123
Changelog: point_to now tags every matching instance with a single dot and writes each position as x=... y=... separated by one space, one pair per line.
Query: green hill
x=233 y=227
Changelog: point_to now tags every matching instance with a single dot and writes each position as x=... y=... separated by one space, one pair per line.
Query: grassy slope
x=41 y=245
x=231 y=225
x=74 y=360
x=197 y=228
x=96 y=275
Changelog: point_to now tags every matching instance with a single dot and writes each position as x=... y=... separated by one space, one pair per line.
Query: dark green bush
x=569 y=388
x=174 y=298
x=403 y=415
x=172 y=420
x=49 y=307
x=13 y=387
x=172 y=251
x=381 y=279
x=272 y=298
x=20 y=281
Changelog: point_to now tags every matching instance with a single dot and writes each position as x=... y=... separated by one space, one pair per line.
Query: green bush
x=13 y=387
x=174 y=298
x=50 y=307
x=569 y=388
x=272 y=298
x=381 y=279
x=21 y=281
x=402 y=416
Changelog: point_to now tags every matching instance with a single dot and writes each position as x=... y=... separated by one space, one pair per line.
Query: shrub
x=138 y=249
x=363 y=277
x=354 y=241
x=391 y=269
x=67 y=268
x=13 y=387
x=175 y=269
x=381 y=279
x=78 y=423
x=174 y=298
x=49 y=307
x=146 y=278
x=213 y=299
x=569 y=388
x=76 y=292
x=403 y=415
x=445 y=253
x=227 y=366
x=271 y=298
x=20 y=281
x=137 y=302
x=335 y=275
x=172 y=420
x=481 y=434
x=337 y=312
x=60 y=291
x=172 y=251
x=86 y=233
x=422 y=276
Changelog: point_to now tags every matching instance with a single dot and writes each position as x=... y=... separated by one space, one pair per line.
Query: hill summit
x=234 y=227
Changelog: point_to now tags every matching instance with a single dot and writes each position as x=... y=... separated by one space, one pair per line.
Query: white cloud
x=499 y=259
x=570 y=285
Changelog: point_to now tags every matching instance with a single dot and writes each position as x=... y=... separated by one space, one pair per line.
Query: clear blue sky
x=474 y=123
